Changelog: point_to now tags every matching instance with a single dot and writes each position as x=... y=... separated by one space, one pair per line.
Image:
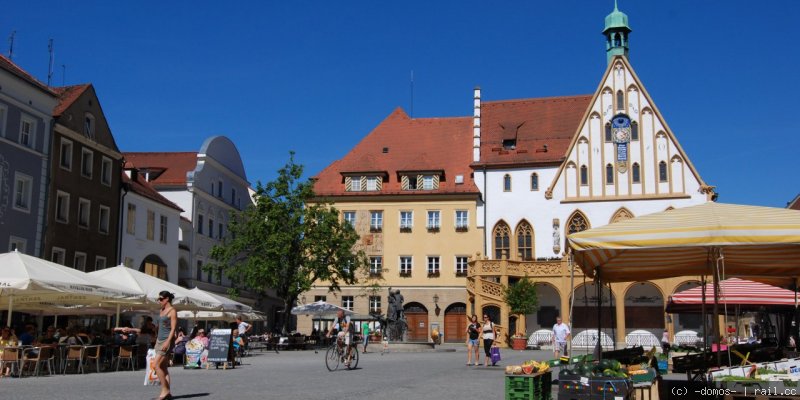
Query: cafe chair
x=10 y=359
x=93 y=354
x=126 y=353
x=74 y=353
x=38 y=356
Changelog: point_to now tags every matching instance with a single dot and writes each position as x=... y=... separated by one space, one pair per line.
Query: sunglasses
x=162 y=298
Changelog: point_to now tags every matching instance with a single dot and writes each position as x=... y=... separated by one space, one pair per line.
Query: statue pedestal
x=410 y=347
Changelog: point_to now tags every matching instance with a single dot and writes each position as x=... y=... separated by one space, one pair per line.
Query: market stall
x=709 y=240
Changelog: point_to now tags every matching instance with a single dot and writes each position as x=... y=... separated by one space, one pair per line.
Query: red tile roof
x=794 y=204
x=536 y=123
x=420 y=144
x=169 y=168
x=67 y=95
x=142 y=188
x=9 y=66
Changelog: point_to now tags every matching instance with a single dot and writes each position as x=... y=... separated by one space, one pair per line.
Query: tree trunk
x=287 y=315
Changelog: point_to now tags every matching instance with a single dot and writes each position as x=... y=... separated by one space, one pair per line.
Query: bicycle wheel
x=332 y=358
x=353 y=358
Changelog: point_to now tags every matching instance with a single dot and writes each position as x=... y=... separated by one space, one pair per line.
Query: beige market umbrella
x=31 y=282
x=751 y=241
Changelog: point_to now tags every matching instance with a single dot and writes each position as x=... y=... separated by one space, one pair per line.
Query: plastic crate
x=594 y=388
x=650 y=376
x=529 y=387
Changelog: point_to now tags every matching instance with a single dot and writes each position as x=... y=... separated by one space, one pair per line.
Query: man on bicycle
x=345 y=334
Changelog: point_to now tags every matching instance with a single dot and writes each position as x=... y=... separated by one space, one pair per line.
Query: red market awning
x=748 y=295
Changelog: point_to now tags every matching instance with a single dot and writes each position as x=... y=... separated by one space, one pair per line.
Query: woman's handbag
x=495 y=352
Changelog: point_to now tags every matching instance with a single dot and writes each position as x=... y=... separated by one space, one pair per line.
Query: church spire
x=616 y=33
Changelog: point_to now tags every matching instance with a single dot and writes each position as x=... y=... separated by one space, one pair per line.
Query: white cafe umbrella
x=221 y=315
x=152 y=286
x=26 y=279
x=222 y=303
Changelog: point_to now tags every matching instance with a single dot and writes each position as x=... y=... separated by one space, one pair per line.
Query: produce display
x=529 y=367
x=604 y=368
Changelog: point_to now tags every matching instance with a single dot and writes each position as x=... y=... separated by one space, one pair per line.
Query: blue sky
x=316 y=76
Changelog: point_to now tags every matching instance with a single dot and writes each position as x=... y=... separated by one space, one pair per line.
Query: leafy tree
x=287 y=241
x=521 y=298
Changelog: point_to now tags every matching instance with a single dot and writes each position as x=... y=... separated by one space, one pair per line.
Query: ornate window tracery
x=577 y=223
x=502 y=241
x=524 y=241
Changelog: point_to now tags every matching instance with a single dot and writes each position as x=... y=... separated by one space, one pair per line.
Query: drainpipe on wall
x=47 y=177
x=122 y=212
x=485 y=205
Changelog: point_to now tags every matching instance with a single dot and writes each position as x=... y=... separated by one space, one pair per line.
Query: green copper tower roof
x=616 y=20
x=616 y=33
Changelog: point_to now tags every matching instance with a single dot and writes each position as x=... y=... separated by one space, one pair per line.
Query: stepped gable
x=403 y=144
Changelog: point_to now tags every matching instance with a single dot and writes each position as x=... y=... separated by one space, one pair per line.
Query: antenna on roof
x=50 y=65
x=411 y=108
x=11 y=45
x=63 y=74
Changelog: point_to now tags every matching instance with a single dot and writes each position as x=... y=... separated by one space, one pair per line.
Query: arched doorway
x=492 y=311
x=644 y=314
x=584 y=309
x=688 y=321
x=549 y=309
x=455 y=323
x=153 y=265
x=417 y=319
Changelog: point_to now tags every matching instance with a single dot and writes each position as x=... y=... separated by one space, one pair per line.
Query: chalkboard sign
x=219 y=345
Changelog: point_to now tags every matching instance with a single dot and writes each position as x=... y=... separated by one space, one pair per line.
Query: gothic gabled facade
x=550 y=167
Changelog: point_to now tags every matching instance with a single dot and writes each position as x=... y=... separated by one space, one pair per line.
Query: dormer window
x=420 y=181
x=372 y=183
x=364 y=183
x=427 y=182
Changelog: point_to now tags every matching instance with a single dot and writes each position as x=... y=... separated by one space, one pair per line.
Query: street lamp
x=437 y=310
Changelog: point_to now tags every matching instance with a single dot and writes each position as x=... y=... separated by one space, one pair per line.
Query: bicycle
x=337 y=354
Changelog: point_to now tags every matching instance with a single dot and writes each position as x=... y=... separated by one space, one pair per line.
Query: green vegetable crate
x=529 y=387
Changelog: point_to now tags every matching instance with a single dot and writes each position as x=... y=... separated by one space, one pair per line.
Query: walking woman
x=489 y=335
x=167 y=323
x=473 y=331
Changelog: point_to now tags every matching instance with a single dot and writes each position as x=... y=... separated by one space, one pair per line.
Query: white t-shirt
x=243 y=327
x=560 y=332
x=488 y=331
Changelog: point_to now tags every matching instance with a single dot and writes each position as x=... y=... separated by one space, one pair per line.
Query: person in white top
x=560 y=337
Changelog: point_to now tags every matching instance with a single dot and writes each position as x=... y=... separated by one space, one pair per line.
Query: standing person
x=244 y=327
x=489 y=335
x=560 y=337
x=473 y=331
x=665 y=342
x=167 y=323
x=365 y=334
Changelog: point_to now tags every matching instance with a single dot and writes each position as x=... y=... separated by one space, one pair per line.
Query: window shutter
x=378 y=183
x=363 y=183
x=419 y=182
x=348 y=183
x=404 y=182
x=436 y=182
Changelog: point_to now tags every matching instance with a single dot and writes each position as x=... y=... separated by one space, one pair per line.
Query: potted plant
x=521 y=300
